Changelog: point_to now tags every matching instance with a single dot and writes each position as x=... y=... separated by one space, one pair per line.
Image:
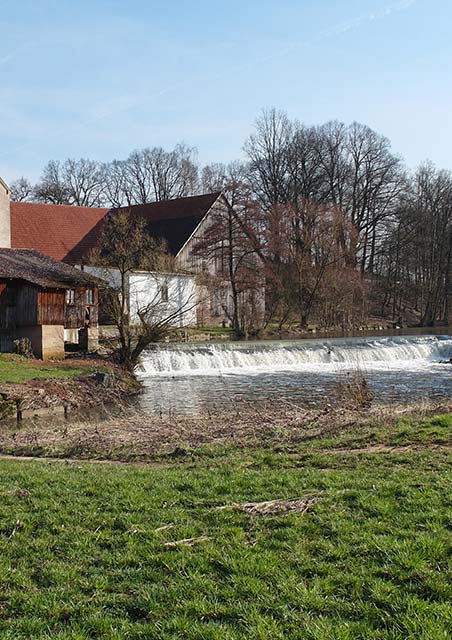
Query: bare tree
x=418 y=264
x=124 y=247
x=235 y=277
x=84 y=182
x=305 y=166
x=376 y=183
x=152 y=175
x=232 y=179
x=22 y=190
x=173 y=174
x=147 y=175
x=52 y=187
x=119 y=190
x=268 y=152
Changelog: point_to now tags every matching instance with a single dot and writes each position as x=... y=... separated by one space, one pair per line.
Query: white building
x=167 y=297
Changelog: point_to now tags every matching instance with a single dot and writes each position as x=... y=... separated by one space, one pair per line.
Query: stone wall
x=47 y=341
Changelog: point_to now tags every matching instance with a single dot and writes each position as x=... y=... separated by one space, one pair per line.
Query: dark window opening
x=164 y=293
x=11 y=297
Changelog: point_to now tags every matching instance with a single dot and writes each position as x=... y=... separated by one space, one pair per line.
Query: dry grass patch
x=140 y=437
x=275 y=507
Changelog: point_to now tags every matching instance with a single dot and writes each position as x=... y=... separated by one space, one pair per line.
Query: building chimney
x=5 y=215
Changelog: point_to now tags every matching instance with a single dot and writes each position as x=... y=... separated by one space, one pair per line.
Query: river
x=205 y=377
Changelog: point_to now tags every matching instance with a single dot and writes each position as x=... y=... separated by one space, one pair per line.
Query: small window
x=89 y=296
x=164 y=293
x=70 y=296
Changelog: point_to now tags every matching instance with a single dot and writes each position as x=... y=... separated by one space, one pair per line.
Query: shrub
x=352 y=390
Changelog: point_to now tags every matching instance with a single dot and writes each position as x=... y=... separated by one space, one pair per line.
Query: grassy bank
x=17 y=369
x=97 y=550
x=31 y=385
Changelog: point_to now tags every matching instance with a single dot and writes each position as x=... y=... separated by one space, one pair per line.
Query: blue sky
x=98 y=78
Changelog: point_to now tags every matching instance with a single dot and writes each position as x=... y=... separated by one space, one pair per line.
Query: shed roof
x=38 y=269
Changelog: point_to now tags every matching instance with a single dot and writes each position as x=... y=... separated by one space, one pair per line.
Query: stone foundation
x=47 y=341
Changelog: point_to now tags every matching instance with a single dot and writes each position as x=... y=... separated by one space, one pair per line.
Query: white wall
x=145 y=294
x=145 y=291
x=5 y=216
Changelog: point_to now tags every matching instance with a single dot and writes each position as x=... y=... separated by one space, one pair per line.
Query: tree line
x=328 y=216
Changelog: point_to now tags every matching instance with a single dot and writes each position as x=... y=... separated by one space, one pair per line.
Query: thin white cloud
x=121 y=104
x=355 y=23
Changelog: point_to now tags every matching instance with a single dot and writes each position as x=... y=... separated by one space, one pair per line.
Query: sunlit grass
x=83 y=555
x=17 y=369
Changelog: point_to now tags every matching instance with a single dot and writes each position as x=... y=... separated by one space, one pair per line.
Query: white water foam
x=253 y=358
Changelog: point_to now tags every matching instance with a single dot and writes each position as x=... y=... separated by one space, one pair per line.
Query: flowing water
x=189 y=378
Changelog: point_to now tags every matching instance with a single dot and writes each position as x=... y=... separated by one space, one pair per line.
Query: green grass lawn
x=83 y=555
x=17 y=369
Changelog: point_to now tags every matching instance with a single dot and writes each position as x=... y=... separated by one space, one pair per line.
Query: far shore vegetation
x=326 y=217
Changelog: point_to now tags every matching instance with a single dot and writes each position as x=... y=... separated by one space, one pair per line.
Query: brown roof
x=53 y=229
x=70 y=233
x=175 y=220
x=34 y=267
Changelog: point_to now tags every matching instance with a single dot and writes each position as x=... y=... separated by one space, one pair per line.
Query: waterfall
x=303 y=355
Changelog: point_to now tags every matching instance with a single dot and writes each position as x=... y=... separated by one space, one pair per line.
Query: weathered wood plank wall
x=51 y=307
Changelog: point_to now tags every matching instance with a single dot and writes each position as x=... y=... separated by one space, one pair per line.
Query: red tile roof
x=69 y=233
x=53 y=230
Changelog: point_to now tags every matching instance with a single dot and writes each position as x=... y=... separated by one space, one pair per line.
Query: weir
x=300 y=355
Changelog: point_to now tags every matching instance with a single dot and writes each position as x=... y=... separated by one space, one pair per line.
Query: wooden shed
x=45 y=300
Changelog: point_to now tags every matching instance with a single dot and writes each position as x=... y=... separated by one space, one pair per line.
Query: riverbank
x=328 y=526
x=33 y=387
x=139 y=437
x=272 y=332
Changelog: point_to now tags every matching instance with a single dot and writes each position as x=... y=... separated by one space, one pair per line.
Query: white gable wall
x=5 y=216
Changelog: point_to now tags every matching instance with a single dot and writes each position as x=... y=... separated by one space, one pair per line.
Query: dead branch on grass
x=187 y=542
x=275 y=507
